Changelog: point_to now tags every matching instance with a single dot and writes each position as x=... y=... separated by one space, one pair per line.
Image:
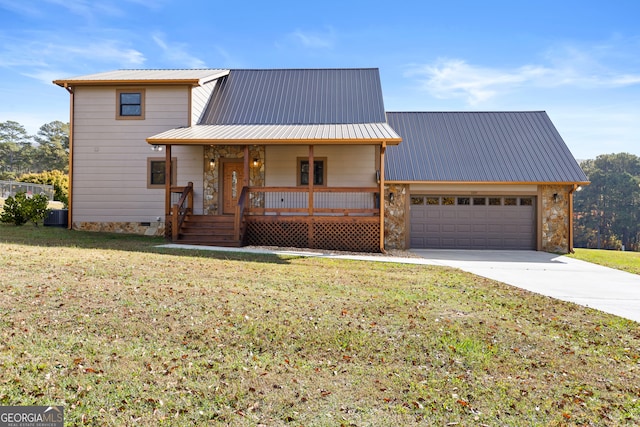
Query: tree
x=15 y=148
x=607 y=211
x=52 y=152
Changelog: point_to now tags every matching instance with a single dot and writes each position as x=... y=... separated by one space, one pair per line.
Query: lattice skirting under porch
x=359 y=234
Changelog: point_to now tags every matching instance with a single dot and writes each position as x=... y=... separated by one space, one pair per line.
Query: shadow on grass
x=61 y=237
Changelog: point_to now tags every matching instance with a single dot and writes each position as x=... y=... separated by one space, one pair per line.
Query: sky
x=577 y=60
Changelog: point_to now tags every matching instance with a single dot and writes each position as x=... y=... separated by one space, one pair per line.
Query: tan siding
x=347 y=166
x=199 y=99
x=110 y=156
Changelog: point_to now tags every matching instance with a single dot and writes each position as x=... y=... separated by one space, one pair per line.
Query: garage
x=473 y=222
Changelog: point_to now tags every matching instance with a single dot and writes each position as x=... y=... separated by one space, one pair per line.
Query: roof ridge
x=467 y=112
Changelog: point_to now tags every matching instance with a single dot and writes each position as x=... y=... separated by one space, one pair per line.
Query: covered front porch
x=258 y=197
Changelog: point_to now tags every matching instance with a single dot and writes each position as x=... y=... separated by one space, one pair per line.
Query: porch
x=337 y=218
x=273 y=182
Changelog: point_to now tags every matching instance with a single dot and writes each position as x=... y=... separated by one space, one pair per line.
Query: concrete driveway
x=560 y=277
x=567 y=279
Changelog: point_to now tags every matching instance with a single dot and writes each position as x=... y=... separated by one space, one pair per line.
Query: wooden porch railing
x=324 y=201
x=181 y=209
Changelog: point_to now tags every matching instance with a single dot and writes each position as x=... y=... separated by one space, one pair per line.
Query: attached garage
x=479 y=180
x=472 y=222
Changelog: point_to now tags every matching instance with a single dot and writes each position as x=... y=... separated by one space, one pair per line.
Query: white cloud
x=314 y=40
x=565 y=66
x=177 y=53
x=44 y=54
x=449 y=78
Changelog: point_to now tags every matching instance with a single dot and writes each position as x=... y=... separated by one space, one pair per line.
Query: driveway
x=567 y=279
x=560 y=277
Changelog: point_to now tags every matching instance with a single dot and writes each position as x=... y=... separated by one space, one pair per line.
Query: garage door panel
x=479 y=228
x=463 y=228
x=473 y=226
x=434 y=214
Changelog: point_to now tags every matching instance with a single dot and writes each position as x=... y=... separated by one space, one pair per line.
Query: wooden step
x=211 y=230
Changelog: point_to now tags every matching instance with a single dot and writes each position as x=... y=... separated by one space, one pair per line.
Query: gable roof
x=297 y=96
x=480 y=147
x=193 y=77
x=289 y=106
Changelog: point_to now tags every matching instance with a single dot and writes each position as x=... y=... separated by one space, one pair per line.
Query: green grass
x=123 y=333
x=625 y=261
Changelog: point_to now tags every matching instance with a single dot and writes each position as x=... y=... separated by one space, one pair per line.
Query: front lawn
x=626 y=261
x=123 y=333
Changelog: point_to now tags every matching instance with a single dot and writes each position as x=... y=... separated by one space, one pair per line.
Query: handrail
x=332 y=201
x=181 y=209
x=239 y=213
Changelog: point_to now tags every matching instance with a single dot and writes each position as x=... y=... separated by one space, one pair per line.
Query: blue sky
x=577 y=60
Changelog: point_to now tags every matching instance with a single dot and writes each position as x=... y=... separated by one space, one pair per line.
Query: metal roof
x=297 y=96
x=186 y=76
x=496 y=147
x=364 y=133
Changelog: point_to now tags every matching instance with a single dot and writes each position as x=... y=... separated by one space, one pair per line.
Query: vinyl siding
x=110 y=156
x=199 y=99
x=347 y=166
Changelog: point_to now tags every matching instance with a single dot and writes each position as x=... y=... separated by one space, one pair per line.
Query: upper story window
x=130 y=104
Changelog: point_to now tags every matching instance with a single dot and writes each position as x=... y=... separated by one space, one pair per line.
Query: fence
x=11 y=188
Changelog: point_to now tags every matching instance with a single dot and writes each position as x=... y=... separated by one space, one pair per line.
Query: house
x=300 y=157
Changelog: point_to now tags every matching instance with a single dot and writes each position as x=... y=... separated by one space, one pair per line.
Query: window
x=477 y=201
x=448 y=201
x=130 y=104
x=526 y=201
x=495 y=201
x=417 y=200
x=156 y=173
x=510 y=201
x=464 y=201
x=433 y=200
x=319 y=171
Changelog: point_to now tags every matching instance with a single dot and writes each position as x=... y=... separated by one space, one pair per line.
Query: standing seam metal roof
x=479 y=147
x=297 y=96
x=142 y=76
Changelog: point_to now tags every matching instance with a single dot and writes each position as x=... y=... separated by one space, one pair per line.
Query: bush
x=58 y=179
x=21 y=209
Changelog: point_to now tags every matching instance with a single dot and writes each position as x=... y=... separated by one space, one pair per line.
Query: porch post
x=245 y=179
x=167 y=181
x=311 y=234
x=311 y=179
x=383 y=148
x=167 y=191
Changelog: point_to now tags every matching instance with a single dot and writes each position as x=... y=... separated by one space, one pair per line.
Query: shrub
x=21 y=209
x=58 y=179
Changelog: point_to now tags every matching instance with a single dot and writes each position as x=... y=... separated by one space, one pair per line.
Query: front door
x=232 y=179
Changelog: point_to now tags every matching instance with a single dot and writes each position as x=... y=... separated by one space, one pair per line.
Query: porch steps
x=209 y=230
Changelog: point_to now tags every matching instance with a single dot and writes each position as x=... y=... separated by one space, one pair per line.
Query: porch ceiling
x=360 y=133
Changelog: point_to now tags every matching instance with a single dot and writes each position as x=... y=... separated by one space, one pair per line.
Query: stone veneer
x=155 y=229
x=555 y=218
x=394 y=216
x=211 y=186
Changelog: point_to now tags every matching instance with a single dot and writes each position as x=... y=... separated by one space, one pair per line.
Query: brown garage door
x=473 y=222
